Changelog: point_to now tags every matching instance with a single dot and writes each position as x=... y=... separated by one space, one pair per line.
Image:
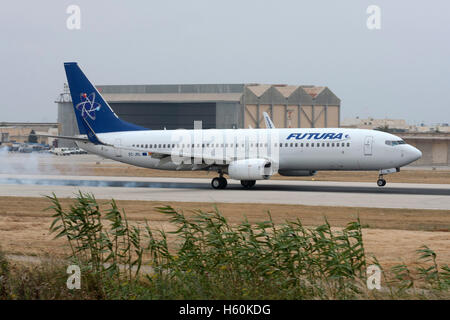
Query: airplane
x=247 y=155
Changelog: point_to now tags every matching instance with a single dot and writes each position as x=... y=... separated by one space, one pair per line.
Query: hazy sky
x=399 y=71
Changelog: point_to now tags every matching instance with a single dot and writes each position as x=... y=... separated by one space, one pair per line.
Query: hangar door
x=159 y=115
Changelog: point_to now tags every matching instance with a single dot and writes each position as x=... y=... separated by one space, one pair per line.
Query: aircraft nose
x=415 y=153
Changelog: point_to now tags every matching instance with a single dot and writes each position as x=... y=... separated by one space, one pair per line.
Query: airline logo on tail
x=88 y=106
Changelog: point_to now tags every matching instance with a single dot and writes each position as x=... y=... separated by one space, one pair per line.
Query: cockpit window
x=394 y=142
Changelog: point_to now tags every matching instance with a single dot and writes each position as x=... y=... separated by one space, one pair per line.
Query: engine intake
x=250 y=169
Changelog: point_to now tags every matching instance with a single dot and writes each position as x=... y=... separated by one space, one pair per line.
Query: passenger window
x=281 y=145
x=323 y=144
x=159 y=146
x=337 y=144
x=292 y=144
x=312 y=144
x=296 y=144
x=348 y=144
x=285 y=144
x=328 y=144
x=301 y=145
x=332 y=144
x=307 y=145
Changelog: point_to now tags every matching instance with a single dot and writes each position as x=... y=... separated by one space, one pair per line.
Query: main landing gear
x=247 y=184
x=381 y=182
x=219 y=183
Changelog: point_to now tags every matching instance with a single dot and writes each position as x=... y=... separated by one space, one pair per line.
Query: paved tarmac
x=348 y=194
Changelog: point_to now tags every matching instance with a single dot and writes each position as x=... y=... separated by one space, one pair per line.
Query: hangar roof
x=250 y=93
x=172 y=97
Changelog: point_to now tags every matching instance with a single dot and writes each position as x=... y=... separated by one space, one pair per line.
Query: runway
x=348 y=194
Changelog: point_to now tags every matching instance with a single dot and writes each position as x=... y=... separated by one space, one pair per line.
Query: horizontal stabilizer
x=61 y=137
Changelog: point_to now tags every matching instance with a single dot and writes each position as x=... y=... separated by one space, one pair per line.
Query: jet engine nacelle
x=250 y=169
x=297 y=173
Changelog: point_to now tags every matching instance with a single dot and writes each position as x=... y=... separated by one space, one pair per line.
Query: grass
x=213 y=259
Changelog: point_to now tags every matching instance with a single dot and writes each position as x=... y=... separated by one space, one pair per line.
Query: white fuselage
x=291 y=149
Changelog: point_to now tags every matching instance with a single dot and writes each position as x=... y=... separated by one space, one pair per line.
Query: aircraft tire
x=219 y=183
x=247 y=184
x=381 y=182
x=223 y=183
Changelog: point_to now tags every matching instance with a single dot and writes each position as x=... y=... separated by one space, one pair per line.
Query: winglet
x=268 y=121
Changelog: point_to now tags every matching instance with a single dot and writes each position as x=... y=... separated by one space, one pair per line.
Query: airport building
x=216 y=105
x=19 y=132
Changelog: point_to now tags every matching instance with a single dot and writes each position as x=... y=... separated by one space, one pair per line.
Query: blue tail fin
x=92 y=112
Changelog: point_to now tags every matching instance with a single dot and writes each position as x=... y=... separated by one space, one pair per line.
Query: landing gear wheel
x=381 y=182
x=219 y=183
x=223 y=183
x=247 y=184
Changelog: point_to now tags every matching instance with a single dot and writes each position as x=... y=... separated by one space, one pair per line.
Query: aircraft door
x=118 y=148
x=368 y=143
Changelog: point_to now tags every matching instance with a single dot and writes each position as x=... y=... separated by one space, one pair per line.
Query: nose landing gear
x=381 y=182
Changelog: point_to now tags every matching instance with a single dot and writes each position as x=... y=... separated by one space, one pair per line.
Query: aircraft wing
x=208 y=160
x=61 y=137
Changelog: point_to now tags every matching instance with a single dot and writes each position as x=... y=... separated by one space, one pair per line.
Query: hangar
x=216 y=105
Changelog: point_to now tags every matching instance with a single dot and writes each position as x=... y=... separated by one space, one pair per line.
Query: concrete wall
x=435 y=152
